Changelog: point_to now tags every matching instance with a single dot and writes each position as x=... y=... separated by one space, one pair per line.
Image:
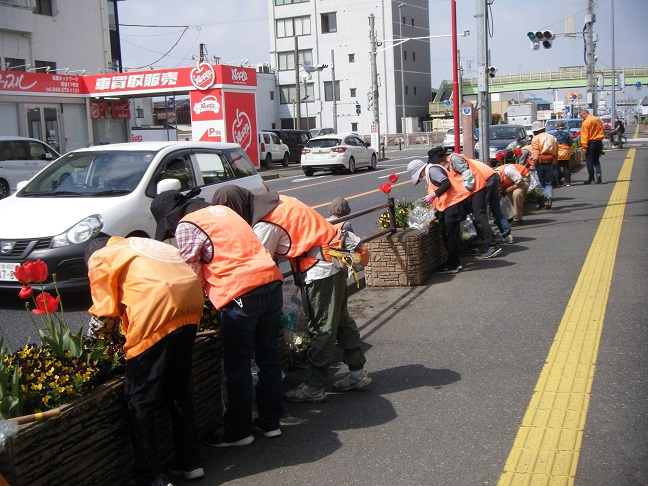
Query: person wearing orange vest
x=244 y=284
x=464 y=170
x=448 y=195
x=564 y=153
x=146 y=284
x=514 y=184
x=547 y=147
x=290 y=229
x=592 y=134
x=493 y=200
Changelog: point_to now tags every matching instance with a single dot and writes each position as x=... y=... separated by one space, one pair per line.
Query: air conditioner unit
x=264 y=68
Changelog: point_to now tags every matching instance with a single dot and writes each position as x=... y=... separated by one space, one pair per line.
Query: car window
x=15 y=150
x=178 y=167
x=551 y=125
x=350 y=141
x=38 y=150
x=323 y=143
x=267 y=137
x=213 y=167
x=502 y=133
x=304 y=138
x=275 y=139
x=241 y=165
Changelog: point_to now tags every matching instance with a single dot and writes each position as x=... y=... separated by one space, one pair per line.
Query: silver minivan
x=20 y=159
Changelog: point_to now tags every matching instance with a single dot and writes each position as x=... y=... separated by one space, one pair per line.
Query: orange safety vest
x=240 y=263
x=148 y=285
x=505 y=181
x=454 y=195
x=486 y=170
x=480 y=180
x=564 y=152
x=306 y=228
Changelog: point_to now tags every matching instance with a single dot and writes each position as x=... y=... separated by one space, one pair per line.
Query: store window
x=329 y=23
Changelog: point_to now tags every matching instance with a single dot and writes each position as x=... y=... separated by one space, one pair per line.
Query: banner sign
x=18 y=82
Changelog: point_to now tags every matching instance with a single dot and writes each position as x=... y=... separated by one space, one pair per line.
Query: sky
x=238 y=30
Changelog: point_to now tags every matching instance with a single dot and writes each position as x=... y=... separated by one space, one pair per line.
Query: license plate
x=6 y=272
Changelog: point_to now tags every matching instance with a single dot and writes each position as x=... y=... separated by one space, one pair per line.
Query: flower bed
x=89 y=442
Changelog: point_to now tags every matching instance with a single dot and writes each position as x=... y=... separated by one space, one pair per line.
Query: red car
x=607 y=122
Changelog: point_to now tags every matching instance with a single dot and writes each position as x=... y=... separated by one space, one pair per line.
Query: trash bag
x=420 y=216
x=467 y=229
x=535 y=189
x=507 y=207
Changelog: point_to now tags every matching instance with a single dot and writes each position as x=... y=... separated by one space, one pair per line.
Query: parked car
x=336 y=153
x=106 y=191
x=295 y=139
x=529 y=131
x=316 y=132
x=607 y=122
x=272 y=149
x=504 y=137
x=21 y=158
x=571 y=124
x=449 y=139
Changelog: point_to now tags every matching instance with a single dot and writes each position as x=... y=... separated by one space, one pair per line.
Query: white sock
x=357 y=374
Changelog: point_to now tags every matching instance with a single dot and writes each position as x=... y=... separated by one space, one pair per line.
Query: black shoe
x=188 y=472
x=445 y=269
x=268 y=432
x=587 y=182
x=517 y=223
x=219 y=438
x=540 y=206
x=599 y=179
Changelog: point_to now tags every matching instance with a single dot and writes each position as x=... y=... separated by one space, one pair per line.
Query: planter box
x=89 y=443
x=405 y=258
x=576 y=159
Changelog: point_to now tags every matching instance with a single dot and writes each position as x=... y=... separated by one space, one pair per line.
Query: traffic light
x=544 y=37
x=491 y=71
x=358 y=108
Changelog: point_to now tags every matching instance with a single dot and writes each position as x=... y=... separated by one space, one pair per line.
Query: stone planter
x=89 y=443
x=405 y=258
x=576 y=159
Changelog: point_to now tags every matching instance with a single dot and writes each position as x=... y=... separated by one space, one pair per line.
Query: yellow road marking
x=547 y=446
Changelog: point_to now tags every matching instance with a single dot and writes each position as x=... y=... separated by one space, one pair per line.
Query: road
x=532 y=361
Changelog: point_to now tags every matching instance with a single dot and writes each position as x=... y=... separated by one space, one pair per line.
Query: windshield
x=83 y=174
x=503 y=133
x=551 y=124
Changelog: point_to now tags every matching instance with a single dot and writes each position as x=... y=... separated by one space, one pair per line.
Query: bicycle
x=618 y=142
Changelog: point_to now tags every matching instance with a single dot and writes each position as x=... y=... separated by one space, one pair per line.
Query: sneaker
x=508 y=239
x=189 y=472
x=348 y=382
x=219 y=438
x=568 y=184
x=548 y=204
x=269 y=433
x=161 y=480
x=587 y=182
x=491 y=251
x=306 y=393
x=599 y=179
x=446 y=269
x=517 y=223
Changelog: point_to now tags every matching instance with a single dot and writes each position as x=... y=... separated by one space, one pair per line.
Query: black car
x=295 y=139
x=504 y=137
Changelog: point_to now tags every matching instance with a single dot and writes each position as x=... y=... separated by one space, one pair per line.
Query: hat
x=536 y=126
x=339 y=207
x=560 y=124
x=435 y=154
x=415 y=167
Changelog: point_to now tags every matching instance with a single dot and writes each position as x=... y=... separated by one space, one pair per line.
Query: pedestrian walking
x=290 y=229
x=547 y=148
x=564 y=153
x=591 y=136
x=159 y=300
x=245 y=285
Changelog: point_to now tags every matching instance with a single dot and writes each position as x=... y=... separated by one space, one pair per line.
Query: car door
x=277 y=152
x=15 y=162
x=359 y=151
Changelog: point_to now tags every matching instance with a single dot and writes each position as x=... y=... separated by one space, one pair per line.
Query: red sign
x=206 y=105
x=240 y=122
x=18 y=82
x=121 y=110
x=98 y=109
x=202 y=76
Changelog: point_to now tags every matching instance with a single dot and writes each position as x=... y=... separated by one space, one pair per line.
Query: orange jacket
x=545 y=144
x=306 y=228
x=454 y=195
x=148 y=285
x=240 y=263
x=591 y=129
x=504 y=180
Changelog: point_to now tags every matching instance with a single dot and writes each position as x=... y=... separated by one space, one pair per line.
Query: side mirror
x=168 y=185
x=47 y=156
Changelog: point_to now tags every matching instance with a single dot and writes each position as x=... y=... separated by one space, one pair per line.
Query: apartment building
x=331 y=73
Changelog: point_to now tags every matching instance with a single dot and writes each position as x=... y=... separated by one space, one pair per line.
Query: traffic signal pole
x=482 y=83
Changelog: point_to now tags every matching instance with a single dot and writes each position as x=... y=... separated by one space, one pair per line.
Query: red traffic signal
x=491 y=71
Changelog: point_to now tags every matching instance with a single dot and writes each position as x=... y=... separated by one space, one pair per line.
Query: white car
x=21 y=158
x=106 y=190
x=337 y=153
x=449 y=139
x=272 y=149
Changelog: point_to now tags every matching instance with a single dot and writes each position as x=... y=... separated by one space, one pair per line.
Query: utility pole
x=482 y=83
x=374 y=79
x=613 y=117
x=297 y=94
x=333 y=90
x=591 y=58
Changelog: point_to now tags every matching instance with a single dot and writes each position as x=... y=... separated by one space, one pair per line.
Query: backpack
x=346 y=252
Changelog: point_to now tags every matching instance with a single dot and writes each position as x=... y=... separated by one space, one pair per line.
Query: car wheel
x=351 y=166
x=285 y=160
x=308 y=172
x=268 y=161
x=4 y=189
x=374 y=162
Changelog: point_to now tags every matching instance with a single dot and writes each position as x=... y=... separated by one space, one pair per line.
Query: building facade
x=332 y=76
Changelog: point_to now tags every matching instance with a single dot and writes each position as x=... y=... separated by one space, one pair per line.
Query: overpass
x=561 y=79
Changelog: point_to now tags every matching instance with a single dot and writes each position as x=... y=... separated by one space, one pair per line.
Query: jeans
x=593 y=158
x=251 y=330
x=493 y=201
x=545 y=174
x=162 y=372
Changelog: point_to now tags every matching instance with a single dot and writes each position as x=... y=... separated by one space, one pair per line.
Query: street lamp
x=400 y=34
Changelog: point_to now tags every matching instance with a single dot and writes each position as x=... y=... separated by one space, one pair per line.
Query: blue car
x=571 y=124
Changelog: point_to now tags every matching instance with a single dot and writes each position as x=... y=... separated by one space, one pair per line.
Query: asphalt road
x=455 y=362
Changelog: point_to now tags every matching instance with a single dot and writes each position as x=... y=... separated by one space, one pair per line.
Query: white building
x=336 y=33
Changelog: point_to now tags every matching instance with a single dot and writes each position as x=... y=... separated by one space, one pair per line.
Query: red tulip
x=385 y=187
x=46 y=303
x=393 y=178
x=36 y=271
x=500 y=155
x=26 y=292
x=21 y=275
x=517 y=152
